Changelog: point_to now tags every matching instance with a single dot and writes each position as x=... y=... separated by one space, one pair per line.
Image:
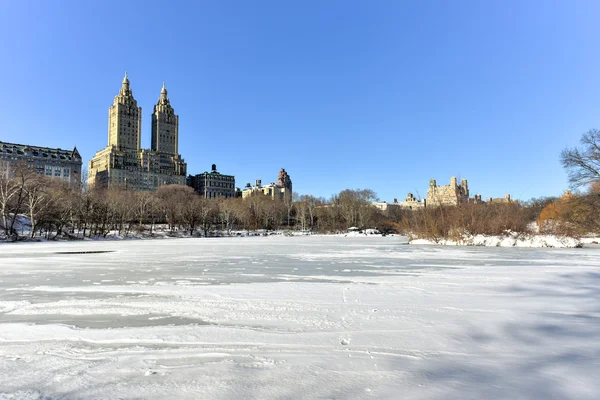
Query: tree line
x=33 y=205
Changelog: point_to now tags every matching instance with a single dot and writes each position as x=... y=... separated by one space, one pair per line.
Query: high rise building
x=123 y=163
x=165 y=126
x=125 y=120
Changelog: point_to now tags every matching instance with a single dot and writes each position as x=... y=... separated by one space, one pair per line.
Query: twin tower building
x=123 y=163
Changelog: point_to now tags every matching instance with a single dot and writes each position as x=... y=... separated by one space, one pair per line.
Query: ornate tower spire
x=163 y=99
x=125 y=90
x=165 y=126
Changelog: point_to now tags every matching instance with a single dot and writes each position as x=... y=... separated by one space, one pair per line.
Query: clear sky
x=343 y=94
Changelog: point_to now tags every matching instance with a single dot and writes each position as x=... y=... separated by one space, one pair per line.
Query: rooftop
x=38 y=151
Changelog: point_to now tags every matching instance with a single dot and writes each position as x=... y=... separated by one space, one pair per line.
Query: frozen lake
x=301 y=317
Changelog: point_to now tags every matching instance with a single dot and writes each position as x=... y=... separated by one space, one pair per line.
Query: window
x=48 y=170
x=66 y=172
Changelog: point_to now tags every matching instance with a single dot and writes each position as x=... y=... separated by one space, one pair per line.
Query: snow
x=297 y=317
x=590 y=240
x=510 y=240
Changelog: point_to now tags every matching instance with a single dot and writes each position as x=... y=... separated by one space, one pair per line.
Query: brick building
x=213 y=184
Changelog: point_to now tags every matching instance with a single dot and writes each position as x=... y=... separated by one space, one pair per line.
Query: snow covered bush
x=454 y=223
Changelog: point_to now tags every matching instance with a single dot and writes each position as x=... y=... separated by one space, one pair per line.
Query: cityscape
x=128 y=188
x=124 y=164
x=299 y=200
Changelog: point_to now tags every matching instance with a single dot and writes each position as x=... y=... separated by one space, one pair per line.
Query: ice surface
x=300 y=317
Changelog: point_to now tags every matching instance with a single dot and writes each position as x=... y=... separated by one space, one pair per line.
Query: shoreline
x=512 y=239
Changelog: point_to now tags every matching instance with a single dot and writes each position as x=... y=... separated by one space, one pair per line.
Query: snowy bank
x=590 y=240
x=512 y=239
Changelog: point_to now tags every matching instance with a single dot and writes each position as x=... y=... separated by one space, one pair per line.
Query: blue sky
x=343 y=94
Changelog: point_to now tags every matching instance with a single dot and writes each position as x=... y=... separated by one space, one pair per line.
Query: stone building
x=212 y=185
x=455 y=194
x=165 y=126
x=284 y=181
x=63 y=165
x=123 y=163
x=449 y=195
x=505 y=199
x=282 y=189
x=386 y=208
x=411 y=202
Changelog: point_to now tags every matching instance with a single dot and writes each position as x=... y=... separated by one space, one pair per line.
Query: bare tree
x=583 y=164
x=192 y=210
x=63 y=208
x=242 y=213
x=366 y=210
x=227 y=212
x=9 y=189
x=356 y=208
x=348 y=206
x=12 y=197
x=207 y=212
x=143 y=202
x=274 y=212
x=328 y=215
x=172 y=198
x=38 y=198
x=120 y=208
x=311 y=204
x=301 y=213
x=253 y=211
x=289 y=205
x=84 y=209
x=154 y=211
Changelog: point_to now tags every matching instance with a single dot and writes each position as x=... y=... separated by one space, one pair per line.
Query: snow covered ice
x=297 y=318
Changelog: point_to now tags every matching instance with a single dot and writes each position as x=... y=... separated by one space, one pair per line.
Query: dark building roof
x=213 y=174
x=39 y=152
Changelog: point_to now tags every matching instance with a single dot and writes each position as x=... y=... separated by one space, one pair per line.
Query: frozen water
x=301 y=317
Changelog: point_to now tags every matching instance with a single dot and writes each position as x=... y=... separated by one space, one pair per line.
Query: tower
x=465 y=187
x=165 y=126
x=284 y=180
x=123 y=163
x=125 y=120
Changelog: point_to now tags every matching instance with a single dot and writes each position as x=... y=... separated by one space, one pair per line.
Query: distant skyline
x=342 y=94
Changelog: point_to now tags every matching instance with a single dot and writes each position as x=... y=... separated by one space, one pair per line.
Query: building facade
x=411 y=202
x=165 y=126
x=386 y=208
x=449 y=195
x=123 y=163
x=455 y=194
x=212 y=185
x=281 y=190
x=62 y=165
x=505 y=199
